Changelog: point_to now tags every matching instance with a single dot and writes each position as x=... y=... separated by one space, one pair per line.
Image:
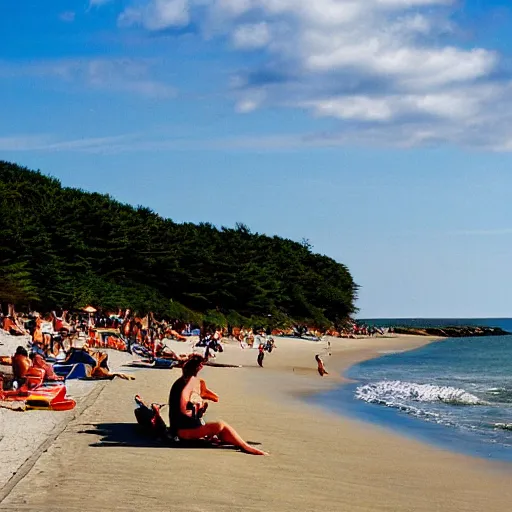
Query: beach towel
x=72 y=371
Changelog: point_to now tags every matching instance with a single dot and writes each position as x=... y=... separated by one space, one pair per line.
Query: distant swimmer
x=321 y=368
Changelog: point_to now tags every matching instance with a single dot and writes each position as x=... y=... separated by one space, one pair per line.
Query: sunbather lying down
x=186 y=409
x=164 y=352
x=98 y=362
x=101 y=370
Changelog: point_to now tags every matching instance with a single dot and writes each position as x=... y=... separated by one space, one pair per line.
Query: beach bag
x=149 y=419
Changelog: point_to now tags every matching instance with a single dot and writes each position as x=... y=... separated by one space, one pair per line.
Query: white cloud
x=22 y=142
x=399 y=136
x=45 y=142
x=379 y=67
x=251 y=36
x=125 y=75
x=114 y=75
x=142 y=142
x=158 y=14
x=250 y=101
x=457 y=105
x=353 y=107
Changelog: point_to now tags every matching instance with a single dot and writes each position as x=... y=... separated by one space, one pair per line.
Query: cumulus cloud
x=158 y=14
x=251 y=36
x=382 y=68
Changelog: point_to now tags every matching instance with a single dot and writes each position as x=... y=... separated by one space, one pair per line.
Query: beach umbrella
x=90 y=310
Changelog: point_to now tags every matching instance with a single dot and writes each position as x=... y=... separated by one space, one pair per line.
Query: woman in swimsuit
x=186 y=411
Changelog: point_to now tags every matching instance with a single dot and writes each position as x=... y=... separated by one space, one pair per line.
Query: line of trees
x=63 y=247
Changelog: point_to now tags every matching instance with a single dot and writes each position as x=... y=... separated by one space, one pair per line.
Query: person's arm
x=194 y=409
x=184 y=402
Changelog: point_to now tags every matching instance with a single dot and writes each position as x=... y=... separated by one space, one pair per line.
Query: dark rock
x=464 y=331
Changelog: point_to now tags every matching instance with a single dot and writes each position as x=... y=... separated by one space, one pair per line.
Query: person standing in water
x=186 y=411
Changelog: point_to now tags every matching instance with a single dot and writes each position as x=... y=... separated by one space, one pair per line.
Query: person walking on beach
x=321 y=367
x=261 y=354
x=186 y=410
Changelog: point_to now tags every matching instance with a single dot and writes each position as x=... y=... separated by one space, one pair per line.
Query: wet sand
x=318 y=461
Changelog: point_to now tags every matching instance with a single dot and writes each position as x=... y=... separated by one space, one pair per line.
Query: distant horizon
x=436 y=318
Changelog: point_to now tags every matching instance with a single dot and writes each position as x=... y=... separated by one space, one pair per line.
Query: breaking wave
x=503 y=426
x=398 y=394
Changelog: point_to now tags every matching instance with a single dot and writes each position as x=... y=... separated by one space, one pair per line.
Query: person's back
x=186 y=409
x=177 y=419
x=20 y=364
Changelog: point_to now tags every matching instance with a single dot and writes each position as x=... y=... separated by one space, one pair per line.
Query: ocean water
x=456 y=393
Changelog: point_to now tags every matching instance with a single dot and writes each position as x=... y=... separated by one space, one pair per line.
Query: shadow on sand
x=130 y=434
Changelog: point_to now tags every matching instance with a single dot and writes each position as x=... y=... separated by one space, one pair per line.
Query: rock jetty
x=466 y=331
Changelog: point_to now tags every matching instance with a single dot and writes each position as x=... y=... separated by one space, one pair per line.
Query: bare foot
x=254 y=451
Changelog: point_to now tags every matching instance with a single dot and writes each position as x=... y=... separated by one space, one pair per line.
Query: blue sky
x=379 y=130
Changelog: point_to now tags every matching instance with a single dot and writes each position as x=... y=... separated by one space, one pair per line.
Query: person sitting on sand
x=38 y=361
x=20 y=365
x=185 y=415
x=321 y=368
x=9 y=325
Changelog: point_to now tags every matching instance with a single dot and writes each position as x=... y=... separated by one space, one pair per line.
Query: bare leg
x=224 y=432
x=124 y=376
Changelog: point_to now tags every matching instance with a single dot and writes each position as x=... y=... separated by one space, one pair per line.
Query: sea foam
x=503 y=426
x=397 y=394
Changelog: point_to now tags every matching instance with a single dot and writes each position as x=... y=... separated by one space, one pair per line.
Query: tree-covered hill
x=63 y=247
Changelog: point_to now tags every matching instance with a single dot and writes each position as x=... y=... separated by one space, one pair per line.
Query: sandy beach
x=318 y=461
x=22 y=434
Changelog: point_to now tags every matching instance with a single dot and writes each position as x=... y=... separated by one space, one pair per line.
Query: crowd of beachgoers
x=44 y=356
x=61 y=346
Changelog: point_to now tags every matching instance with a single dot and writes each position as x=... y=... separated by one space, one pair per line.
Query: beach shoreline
x=319 y=459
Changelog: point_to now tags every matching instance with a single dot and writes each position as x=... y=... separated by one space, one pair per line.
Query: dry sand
x=23 y=433
x=319 y=461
